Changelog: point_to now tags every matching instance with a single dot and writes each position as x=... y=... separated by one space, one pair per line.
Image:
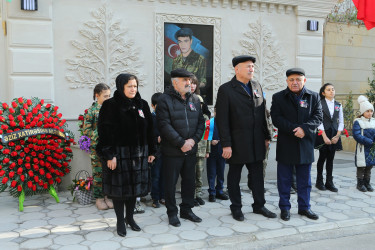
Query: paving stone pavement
x=45 y=224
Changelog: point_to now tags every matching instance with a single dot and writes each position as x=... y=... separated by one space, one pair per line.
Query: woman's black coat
x=125 y=132
x=287 y=115
x=241 y=121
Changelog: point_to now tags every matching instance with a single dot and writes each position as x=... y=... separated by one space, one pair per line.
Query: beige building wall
x=349 y=52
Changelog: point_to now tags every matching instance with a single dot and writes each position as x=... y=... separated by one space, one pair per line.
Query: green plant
x=349 y=112
x=370 y=93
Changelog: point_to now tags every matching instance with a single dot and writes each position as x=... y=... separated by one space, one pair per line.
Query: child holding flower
x=364 y=134
x=101 y=93
x=328 y=140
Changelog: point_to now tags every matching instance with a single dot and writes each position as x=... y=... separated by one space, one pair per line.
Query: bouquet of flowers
x=84 y=142
x=82 y=187
x=35 y=148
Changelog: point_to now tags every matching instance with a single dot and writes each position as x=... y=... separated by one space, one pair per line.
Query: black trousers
x=257 y=184
x=325 y=155
x=364 y=172
x=118 y=205
x=172 y=168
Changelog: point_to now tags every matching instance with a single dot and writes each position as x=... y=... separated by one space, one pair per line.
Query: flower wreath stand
x=34 y=148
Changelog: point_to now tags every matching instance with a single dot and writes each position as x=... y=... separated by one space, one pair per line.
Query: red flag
x=171 y=48
x=366 y=12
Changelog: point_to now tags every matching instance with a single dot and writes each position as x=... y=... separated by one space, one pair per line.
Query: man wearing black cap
x=241 y=121
x=296 y=112
x=181 y=125
x=189 y=59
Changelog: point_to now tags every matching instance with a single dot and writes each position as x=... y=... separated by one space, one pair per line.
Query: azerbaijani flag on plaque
x=209 y=131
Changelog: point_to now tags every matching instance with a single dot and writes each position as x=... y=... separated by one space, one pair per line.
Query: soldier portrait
x=190 y=46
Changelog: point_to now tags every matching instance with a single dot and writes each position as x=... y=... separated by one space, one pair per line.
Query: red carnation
x=45 y=185
x=14 y=154
x=38 y=106
x=49 y=176
x=29 y=102
x=12 y=124
x=2 y=119
x=22 y=154
x=13 y=184
x=19 y=170
x=11 y=144
x=20 y=100
x=80 y=118
x=1 y=112
x=55 y=108
x=1 y=132
x=58 y=180
x=34 y=187
x=19 y=118
x=11 y=174
x=27 y=166
x=41 y=171
x=18 y=147
x=5 y=180
x=320 y=132
x=31 y=173
x=36 y=178
x=30 y=184
x=11 y=117
x=67 y=170
x=20 y=161
x=35 y=110
x=14 y=104
x=39 y=124
x=50 y=181
x=11 y=110
x=48 y=106
x=42 y=101
x=28 y=159
x=46 y=114
x=4 y=127
x=5 y=106
x=12 y=165
x=19 y=188
x=2 y=172
x=6 y=160
x=25 y=106
x=22 y=177
x=6 y=151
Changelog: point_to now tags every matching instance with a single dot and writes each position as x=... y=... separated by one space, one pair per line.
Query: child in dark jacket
x=215 y=168
x=157 y=190
x=364 y=134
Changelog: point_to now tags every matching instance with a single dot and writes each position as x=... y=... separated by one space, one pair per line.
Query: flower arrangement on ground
x=35 y=148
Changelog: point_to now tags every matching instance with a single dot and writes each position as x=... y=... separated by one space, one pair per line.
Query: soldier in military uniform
x=101 y=93
x=189 y=59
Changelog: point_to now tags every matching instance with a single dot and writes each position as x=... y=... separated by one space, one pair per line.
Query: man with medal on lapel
x=296 y=112
x=241 y=121
x=181 y=125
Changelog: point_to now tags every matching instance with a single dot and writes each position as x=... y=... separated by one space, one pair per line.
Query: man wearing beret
x=296 y=112
x=181 y=125
x=189 y=59
x=241 y=121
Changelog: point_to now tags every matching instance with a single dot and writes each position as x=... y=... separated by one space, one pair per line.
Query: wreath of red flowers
x=33 y=164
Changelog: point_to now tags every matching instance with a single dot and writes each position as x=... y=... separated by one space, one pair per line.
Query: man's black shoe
x=200 y=201
x=190 y=216
x=238 y=215
x=222 y=196
x=285 y=215
x=265 y=212
x=174 y=221
x=309 y=214
x=196 y=203
x=211 y=198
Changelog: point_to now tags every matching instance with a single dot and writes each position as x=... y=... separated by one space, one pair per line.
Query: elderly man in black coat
x=241 y=120
x=296 y=112
x=181 y=126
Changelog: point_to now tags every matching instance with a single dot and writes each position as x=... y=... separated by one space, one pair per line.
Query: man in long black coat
x=240 y=116
x=181 y=126
x=296 y=112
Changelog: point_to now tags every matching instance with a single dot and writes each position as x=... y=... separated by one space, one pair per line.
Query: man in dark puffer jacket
x=181 y=126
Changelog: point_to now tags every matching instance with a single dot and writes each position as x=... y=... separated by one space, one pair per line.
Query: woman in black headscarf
x=126 y=147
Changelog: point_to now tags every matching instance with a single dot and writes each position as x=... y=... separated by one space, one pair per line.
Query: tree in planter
x=349 y=112
x=370 y=93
